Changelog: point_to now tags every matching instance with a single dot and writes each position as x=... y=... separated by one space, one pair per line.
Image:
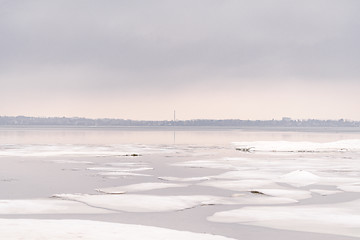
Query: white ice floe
x=246 y=199
x=154 y=203
x=286 y=146
x=38 y=150
x=339 y=219
x=206 y=164
x=46 y=206
x=324 y=192
x=190 y=179
x=127 y=164
x=70 y=161
x=299 y=178
x=123 y=174
x=113 y=169
x=354 y=187
x=266 y=187
x=125 y=171
x=34 y=229
x=240 y=185
x=138 y=203
x=139 y=187
x=247 y=174
x=285 y=193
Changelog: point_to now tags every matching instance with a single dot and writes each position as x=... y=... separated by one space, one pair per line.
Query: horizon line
x=172 y=120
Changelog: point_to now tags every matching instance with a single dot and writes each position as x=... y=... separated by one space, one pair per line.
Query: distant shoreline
x=184 y=128
x=287 y=123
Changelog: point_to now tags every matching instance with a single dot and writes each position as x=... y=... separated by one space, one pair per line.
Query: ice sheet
x=46 y=206
x=340 y=219
x=32 y=229
x=153 y=203
x=206 y=164
x=138 y=203
x=299 y=178
x=38 y=150
x=324 y=192
x=146 y=186
x=247 y=199
x=190 y=179
x=297 y=172
x=113 y=169
x=123 y=174
x=127 y=164
x=286 y=146
x=285 y=193
x=247 y=174
x=70 y=161
x=355 y=187
x=240 y=185
x=122 y=169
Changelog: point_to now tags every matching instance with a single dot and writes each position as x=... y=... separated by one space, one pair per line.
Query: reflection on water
x=75 y=163
x=151 y=135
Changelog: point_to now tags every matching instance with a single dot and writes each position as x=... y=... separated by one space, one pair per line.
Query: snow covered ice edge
x=33 y=229
x=287 y=146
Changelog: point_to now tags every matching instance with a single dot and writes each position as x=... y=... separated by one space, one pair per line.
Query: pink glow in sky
x=206 y=59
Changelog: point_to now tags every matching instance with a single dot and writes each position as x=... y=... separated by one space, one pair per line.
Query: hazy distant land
x=77 y=121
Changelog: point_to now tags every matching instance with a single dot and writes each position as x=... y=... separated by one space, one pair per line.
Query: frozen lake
x=229 y=183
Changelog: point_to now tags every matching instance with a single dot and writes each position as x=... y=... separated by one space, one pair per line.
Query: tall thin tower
x=174 y=126
x=174 y=118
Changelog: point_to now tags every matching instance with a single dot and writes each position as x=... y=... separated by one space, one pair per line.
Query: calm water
x=78 y=161
x=201 y=136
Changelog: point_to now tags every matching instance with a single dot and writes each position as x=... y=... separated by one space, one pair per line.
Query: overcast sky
x=254 y=59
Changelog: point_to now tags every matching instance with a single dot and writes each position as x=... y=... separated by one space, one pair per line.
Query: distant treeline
x=64 y=121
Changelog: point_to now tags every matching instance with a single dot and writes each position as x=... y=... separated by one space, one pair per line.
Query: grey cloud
x=124 y=44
